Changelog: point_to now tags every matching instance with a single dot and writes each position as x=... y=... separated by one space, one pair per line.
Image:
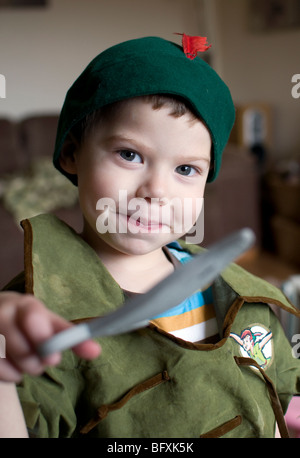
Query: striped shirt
x=193 y=320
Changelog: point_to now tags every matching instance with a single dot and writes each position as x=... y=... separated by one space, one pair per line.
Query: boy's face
x=247 y=343
x=141 y=176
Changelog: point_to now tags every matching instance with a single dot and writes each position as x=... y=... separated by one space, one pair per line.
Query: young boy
x=148 y=122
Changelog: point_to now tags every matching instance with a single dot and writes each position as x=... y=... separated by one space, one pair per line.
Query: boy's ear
x=67 y=159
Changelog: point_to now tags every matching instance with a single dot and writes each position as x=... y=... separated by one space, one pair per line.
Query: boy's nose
x=154 y=186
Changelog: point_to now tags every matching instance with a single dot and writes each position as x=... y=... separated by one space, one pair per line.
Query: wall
x=258 y=68
x=42 y=50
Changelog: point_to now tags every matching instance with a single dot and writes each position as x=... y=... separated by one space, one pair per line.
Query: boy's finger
x=34 y=324
x=88 y=349
x=38 y=323
x=41 y=326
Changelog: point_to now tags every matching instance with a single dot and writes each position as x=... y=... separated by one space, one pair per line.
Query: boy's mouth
x=141 y=223
x=144 y=223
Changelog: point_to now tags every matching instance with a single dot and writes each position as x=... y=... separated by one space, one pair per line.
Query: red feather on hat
x=193 y=45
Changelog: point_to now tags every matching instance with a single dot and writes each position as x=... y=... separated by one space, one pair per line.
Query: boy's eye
x=130 y=156
x=186 y=170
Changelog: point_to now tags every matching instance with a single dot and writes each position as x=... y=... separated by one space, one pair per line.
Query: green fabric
x=90 y=273
x=205 y=388
x=144 y=66
x=248 y=285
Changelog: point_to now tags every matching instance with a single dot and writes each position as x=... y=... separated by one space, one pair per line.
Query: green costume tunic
x=148 y=383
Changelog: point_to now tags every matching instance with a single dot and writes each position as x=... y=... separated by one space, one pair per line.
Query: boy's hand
x=25 y=322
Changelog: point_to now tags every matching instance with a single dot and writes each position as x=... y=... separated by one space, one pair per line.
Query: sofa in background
x=26 y=147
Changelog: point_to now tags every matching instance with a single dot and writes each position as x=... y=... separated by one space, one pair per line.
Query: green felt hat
x=145 y=66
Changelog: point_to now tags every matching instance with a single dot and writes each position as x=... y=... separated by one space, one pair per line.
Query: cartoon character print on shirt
x=256 y=342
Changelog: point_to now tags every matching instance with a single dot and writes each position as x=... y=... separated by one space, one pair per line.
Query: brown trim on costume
x=228 y=322
x=220 y=431
x=231 y=314
x=83 y=320
x=269 y=300
x=104 y=410
x=28 y=240
x=212 y=339
x=186 y=344
x=275 y=402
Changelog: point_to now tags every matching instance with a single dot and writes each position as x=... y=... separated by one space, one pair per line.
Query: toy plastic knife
x=136 y=312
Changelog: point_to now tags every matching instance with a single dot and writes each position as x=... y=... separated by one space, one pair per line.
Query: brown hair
x=178 y=107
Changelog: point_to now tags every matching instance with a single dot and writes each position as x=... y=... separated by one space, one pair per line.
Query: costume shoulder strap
x=250 y=287
x=63 y=271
